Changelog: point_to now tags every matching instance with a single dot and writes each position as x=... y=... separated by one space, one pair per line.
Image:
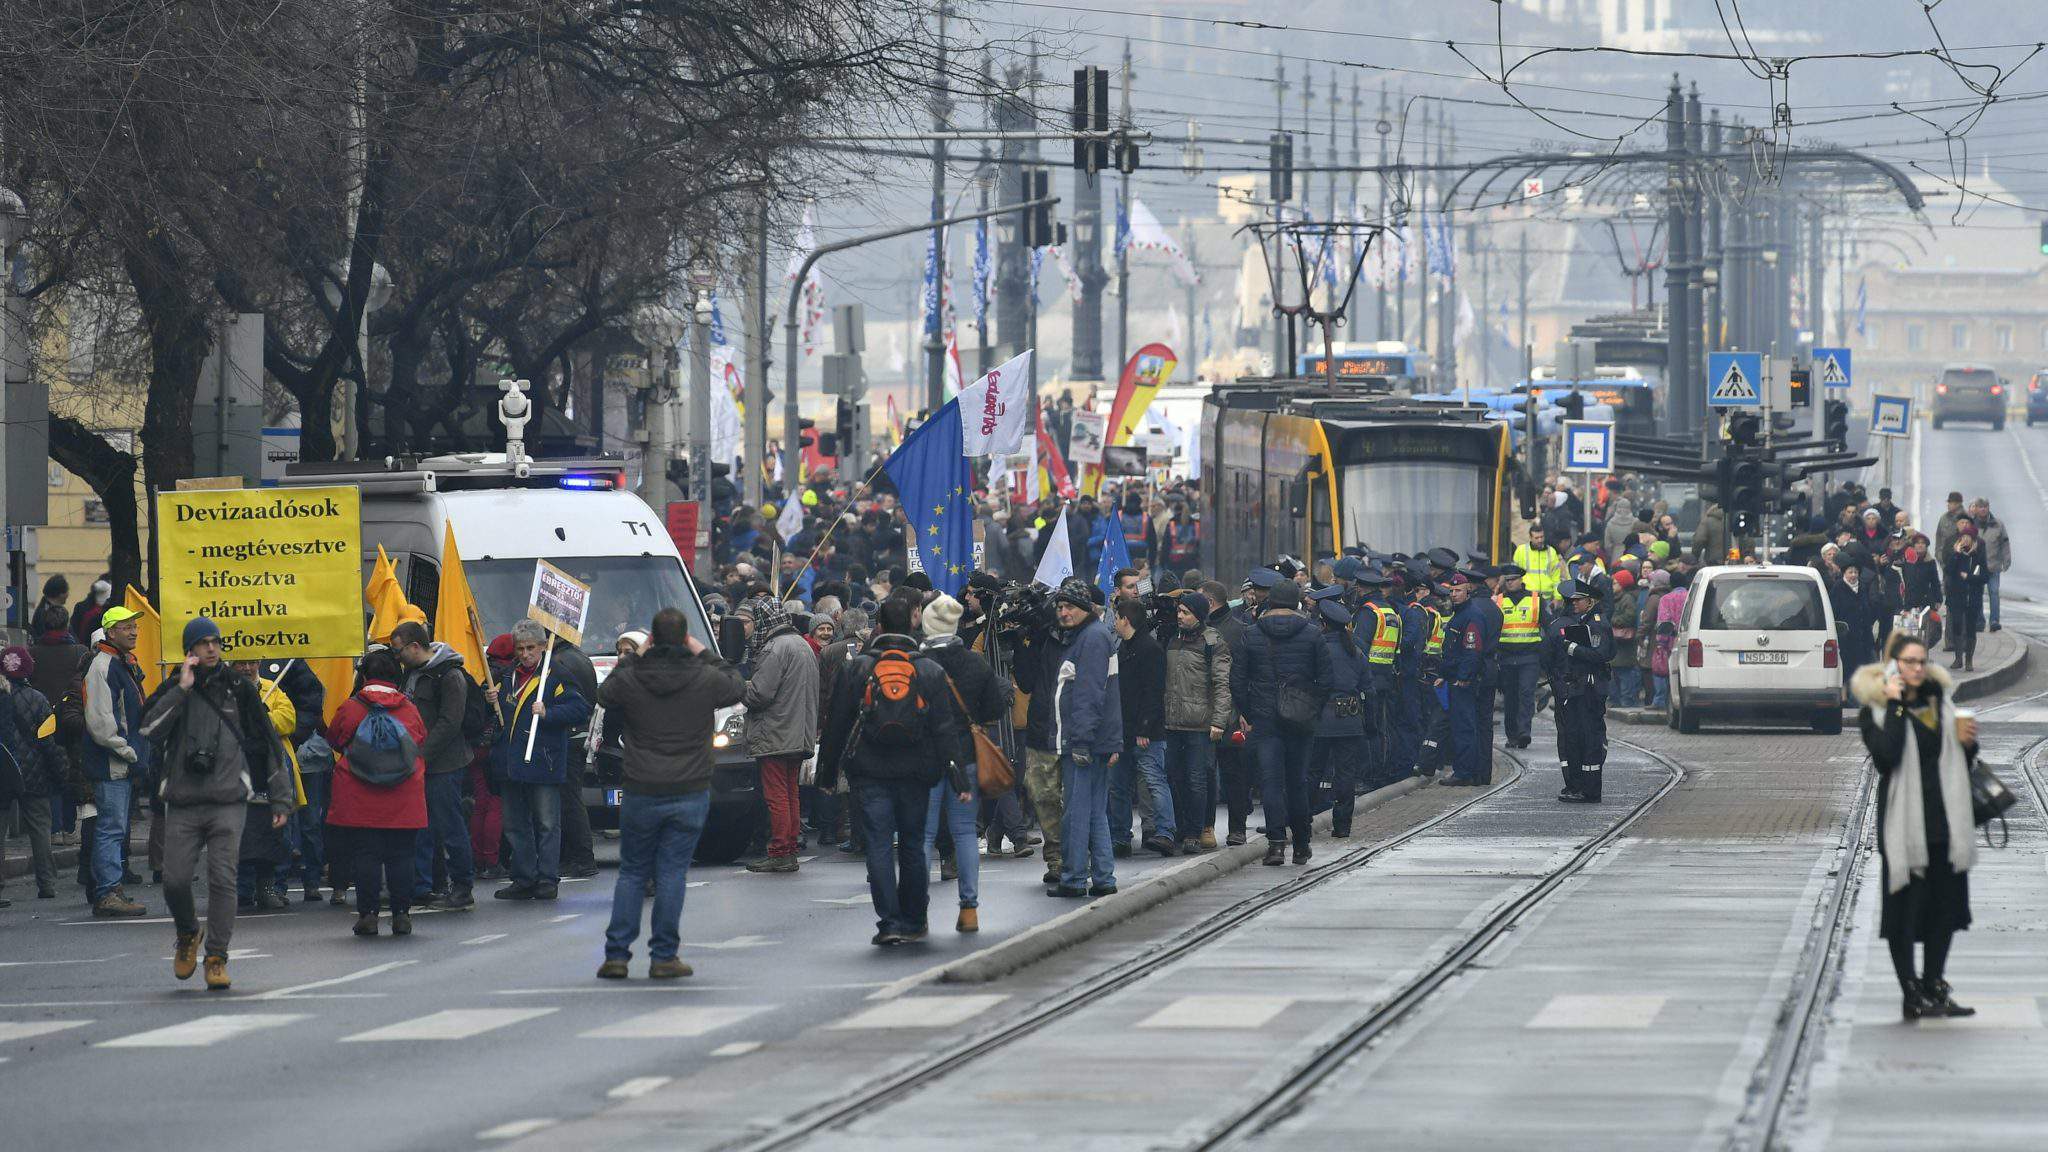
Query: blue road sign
x=1588 y=446
x=1891 y=415
x=1735 y=379
x=1832 y=368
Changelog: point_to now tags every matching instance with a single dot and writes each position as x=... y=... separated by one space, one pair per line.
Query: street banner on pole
x=279 y=569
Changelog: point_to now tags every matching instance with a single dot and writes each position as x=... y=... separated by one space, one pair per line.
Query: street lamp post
x=13 y=327
x=701 y=278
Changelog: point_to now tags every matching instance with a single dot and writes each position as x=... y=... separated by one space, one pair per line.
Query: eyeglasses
x=1909 y=662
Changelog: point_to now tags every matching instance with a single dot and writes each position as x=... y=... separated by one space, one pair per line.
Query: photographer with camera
x=985 y=634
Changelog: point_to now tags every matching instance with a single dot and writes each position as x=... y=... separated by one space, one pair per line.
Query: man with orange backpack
x=895 y=730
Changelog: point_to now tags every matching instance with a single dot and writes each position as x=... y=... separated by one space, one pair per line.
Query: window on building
x=1916 y=338
x=2044 y=339
x=2001 y=337
x=1873 y=336
x=1959 y=337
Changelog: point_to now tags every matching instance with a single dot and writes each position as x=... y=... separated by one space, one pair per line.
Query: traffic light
x=1280 y=166
x=1091 y=114
x=1037 y=225
x=1745 y=429
x=1746 y=503
x=1802 y=388
x=2044 y=238
x=1835 y=418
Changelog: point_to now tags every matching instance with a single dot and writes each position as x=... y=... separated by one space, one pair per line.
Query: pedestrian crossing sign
x=1832 y=367
x=1735 y=379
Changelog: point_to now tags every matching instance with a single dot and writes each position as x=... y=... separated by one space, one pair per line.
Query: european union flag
x=1115 y=555
x=935 y=483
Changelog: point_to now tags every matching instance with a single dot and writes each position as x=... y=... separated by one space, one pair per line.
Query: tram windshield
x=1409 y=506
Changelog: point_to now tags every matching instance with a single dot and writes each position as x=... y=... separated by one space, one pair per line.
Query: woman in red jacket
x=380 y=791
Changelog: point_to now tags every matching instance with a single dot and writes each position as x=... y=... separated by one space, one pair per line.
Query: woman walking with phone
x=1922 y=745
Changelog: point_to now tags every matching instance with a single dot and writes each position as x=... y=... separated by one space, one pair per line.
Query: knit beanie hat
x=200 y=629
x=942 y=616
x=16 y=663
x=1198 y=604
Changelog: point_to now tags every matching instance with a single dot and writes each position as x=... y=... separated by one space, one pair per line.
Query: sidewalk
x=2001 y=662
x=18 y=866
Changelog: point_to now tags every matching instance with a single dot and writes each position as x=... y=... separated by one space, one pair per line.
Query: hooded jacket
x=1141 y=686
x=843 y=751
x=1086 y=694
x=664 y=706
x=439 y=689
x=1197 y=681
x=216 y=741
x=1280 y=646
x=356 y=804
x=988 y=695
x=782 y=694
x=40 y=758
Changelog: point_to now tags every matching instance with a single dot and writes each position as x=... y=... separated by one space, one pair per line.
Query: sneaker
x=312 y=893
x=886 y=938
x=509 y=892
x=1022 y=849
x=1276 y=855
x=1192 y=848
x=365 y=926
x=1102 y=890
x=1121 y=851
x=672 y=968
x=339 y=898
x=1164 y=845
x=401 y=923
x=270 y=899
x=131 y=876
x=546 y=891
x=117 y=906
x=217 y=974
x=582 y=871
x=913 y=935
x=457 y=900
x=1208 y=839
x=773 y=864
x=1062 y=892
x=612 y=970
x=185 y=957
x=494 y=872
x=1052 y=874
x=1235 y=840
x=969 y=921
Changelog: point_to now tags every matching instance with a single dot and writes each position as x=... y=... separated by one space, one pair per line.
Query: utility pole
x=1816 y=279
x=1357 y=156
x=1013 y=261
x=1193 y=352
x=1280 y=365
x=1694 y=393
x=985 y=176
x=1447 y=293
x=756 y=303
x=1714 y=254
x=1380 y=128
x=700 y=415
x=934 y=324
x=1485 y=257
x=1424 y=195
x=1308 y=140
x=1123 y=247
x=1522 y=289
x=1087 y=244
x=1677 y=353
x=1841 y=288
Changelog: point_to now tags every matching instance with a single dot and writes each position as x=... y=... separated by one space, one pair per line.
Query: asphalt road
x=292 y=1056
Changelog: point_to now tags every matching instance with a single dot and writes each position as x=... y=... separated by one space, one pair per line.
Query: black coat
x=1141 y=680
x=988 y=695
x=1343 y=714
x=1282 y=646
x=1964 y=575
x=839 y=749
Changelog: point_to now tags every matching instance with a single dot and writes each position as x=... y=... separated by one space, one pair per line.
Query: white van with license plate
x=1757 y=641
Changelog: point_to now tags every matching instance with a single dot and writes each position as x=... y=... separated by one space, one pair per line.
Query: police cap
x=1443 y=557
x=1347 y=567
x=1265 y=578
x=1335 y=612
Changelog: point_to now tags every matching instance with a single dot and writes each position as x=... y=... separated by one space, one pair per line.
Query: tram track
x=927 y=1071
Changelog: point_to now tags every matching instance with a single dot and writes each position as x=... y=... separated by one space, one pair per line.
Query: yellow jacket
x=1542 y=570
x=284 y=718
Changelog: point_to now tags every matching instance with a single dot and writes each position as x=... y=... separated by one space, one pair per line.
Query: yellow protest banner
x=278 y=569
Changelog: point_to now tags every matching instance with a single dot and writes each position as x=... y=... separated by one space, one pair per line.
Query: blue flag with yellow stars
x=935 y=483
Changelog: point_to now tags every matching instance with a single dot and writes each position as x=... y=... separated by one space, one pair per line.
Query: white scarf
x=1904 y=835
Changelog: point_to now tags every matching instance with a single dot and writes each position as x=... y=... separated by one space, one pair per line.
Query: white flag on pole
x=791 y=521
x=993 y=409
x=1058 y=562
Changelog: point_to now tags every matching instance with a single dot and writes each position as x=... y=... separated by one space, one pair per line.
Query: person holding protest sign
x=535 y=714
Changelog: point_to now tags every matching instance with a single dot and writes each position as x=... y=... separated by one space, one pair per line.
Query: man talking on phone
x=1578 y=645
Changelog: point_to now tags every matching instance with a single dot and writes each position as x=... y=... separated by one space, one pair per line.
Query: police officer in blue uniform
x=1432 y=694
x=1375 y=626
x=1577 y=647
x=1490 y=614
x=1416 y=671
x=1339 y=751
x=1464 y=666
x=1524 y=616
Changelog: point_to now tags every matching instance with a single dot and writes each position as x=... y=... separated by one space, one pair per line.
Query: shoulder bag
x=991 y=767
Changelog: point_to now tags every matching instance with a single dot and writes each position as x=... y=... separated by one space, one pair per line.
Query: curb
x=1040 y=941
x=1997 y=679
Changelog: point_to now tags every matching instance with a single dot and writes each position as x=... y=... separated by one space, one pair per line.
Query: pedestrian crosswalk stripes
x=673 y=1023
x=30 y=1029
x=204 y=1032
x=921 y=1012
x=451 y=1024
x=1218 y=1012
x=1598 y=1012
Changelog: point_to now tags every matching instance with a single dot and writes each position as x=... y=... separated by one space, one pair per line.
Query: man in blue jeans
x=1141 y=681
x=893 y=727
x=1282 y=648
x=439 y=685
x=533 y=785
x=114 y=755
x=665 y=704
x=1090 y=734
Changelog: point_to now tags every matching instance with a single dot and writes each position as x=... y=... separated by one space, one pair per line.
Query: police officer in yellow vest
x=1541 y=566
x=1422 y=647
x=1378 y=628
x=1523 y=615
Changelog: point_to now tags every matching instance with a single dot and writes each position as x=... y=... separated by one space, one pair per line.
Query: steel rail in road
x=1284 y=1100
x=894 y=1086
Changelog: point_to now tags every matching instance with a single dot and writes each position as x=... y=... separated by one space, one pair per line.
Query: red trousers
x=779 y=775
x=485 y=824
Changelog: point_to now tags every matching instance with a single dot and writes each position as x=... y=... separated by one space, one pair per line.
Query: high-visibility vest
x=1520 y=623
x=1386 y=638
x=1542 y=570
x=1434 y=647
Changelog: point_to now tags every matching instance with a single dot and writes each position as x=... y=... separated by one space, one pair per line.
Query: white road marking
x=615 y=988
x=486 y=938
x=352 y=977
x=921 y=1012
x=1242 y=1012
x=205 y=1031
x=735 y=942
x=677 y=1023
x=736 y=1048
x=241 y=954
x=846 y=902
x=2027 y=462
x=450 y=1024
x=515 y=1129
x=564 y=918
x=637 y=1087
x=123 y=920
x=1573 y=1011
x=30 y=1029
x=42 y=963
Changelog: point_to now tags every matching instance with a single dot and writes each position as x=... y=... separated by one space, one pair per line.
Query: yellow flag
x=149 y=639
x=338 y=676
x=457 y=624
x=386 y=600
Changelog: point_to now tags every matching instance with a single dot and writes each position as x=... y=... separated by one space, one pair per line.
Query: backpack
x=479 y=720
x=71 y=709
x=894 y=714
x=381 y=752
